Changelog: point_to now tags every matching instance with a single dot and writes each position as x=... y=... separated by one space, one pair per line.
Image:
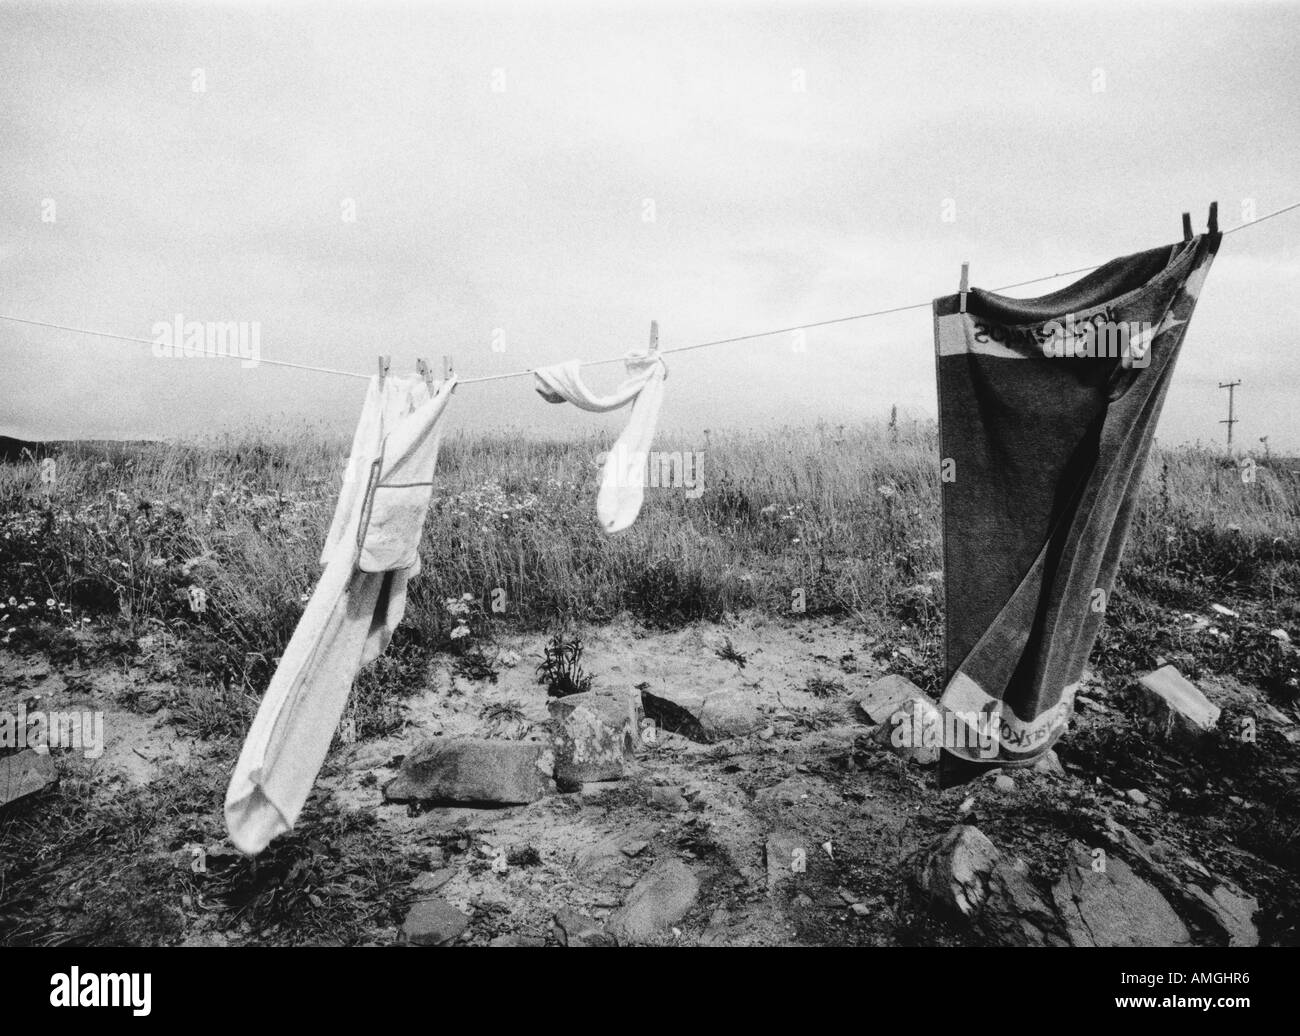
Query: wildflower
x=13 y=601
x=886 y=491
x=49 y=602
x=459 y=632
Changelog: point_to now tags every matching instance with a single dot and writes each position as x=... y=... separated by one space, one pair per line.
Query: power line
x=677 y=349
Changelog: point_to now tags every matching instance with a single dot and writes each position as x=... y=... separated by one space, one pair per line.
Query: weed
x=560 y=671
x=822 y=688
x=728 y=653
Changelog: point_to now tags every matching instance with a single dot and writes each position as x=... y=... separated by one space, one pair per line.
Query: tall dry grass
x=849 y=517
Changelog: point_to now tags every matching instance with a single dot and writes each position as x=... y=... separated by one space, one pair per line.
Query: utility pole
x=1229 y=385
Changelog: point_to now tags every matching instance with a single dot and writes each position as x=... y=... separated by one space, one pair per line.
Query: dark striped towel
x=1047 y=408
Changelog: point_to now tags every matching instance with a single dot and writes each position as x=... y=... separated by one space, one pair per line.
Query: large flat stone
x=25 y=773
x=1229 y=912
x=433 y=922
x=1175 y=705
x=878 y=701
x=913 y=731
x=472 y=772
x=1106 y=904
x=705 y=716
x=660 y=899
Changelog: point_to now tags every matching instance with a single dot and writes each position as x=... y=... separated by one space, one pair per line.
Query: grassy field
x=850 y=516
x=109 y=553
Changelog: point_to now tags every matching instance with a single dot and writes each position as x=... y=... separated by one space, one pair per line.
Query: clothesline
x=150 y=341
x=677 y=349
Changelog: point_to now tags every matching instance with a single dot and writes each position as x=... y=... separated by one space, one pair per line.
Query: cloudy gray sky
x=504 y=161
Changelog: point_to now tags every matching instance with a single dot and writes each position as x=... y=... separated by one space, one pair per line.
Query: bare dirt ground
x=804 y=831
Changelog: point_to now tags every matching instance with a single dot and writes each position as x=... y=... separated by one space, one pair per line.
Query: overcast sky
x=565 y=173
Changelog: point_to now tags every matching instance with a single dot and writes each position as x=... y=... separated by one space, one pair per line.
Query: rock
x=1049 y=762
x=878 y=701
x=1231 y=913
x=573 y=929
x=704 y=716
x=1175 y=705
x=670 y=799
x=472 y=772
x=25 y=773
x=635 y=847
x=588 y=745
x=913 y=731
x=433 y=922
x=1003 y=784
x=369 y=757
x=1112 y=906
x=660 y=899
x=954 y=870
x=1015 y=913
x=1275 y=715
x=1136 y=796
x=1227 y=913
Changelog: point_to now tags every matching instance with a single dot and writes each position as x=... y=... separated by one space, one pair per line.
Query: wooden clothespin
x=654 y=336
x=1214 y=217
x=422 y=369
x=1187 y=226
x=448 y=369
x=385 y=361
x=965 y=284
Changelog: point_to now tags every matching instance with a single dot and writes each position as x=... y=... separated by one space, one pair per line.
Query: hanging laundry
x=622 y=481
x=1047 y=409
x=371 y=552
